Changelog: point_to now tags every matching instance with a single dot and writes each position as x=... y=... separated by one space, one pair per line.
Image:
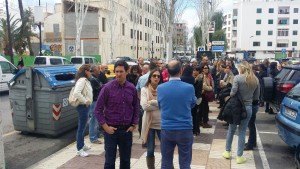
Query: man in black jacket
x=94 y=132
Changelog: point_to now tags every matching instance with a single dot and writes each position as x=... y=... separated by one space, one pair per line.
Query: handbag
x=209 y=96
x=72 y=99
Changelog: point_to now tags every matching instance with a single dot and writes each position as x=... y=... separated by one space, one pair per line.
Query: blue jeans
x=252 y=128
x=184 y=141
x=123 y=140
x=83 y=114
x=151 y=141
x=93 y=126
x=241 y=133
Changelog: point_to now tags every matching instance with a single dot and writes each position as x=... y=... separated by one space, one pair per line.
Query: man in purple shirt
x=117 y=110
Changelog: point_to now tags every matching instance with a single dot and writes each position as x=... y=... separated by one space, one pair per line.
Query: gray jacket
x=248 y=94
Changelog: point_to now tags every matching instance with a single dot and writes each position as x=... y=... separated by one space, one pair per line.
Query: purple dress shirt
x=117 y=105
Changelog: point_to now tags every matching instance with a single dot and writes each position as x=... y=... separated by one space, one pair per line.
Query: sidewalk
x=207 y=152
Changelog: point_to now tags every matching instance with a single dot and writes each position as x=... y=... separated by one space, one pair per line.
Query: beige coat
x=83 y=90
x=151 y=114
x=206 y=84
x=229 y=79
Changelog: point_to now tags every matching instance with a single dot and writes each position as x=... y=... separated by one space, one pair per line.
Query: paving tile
x=216 y=163
x=200 y=157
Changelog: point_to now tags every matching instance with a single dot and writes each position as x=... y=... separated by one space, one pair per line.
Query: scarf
x=152 y=92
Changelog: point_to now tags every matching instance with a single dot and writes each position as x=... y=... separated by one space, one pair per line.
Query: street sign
x=217 y=48
x=218 y=43
x=201 y=48
x=283 y=50
x=71 y=49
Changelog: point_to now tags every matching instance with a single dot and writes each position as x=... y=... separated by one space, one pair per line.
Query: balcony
x=284 y=10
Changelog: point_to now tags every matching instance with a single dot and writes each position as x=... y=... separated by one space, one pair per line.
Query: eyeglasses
x=205 y=68
x=156 y=76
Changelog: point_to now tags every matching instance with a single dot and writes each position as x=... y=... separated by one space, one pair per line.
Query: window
x=295 y=21
x=270 y=21
x=295 y=32
x=269 y=43
x=256 y=43
x=7 y=68
x=258 y=21
x=123 y=29
x=145 y=36
x=228 y=28
x=138 y=35
x=141 y=35
x=280 y=45
x=131 y=33
x=103 y=24
x=257 y=32
x=258 y=10
x=54 y=61
x=283 y=32
x=270 y=32
x=294 y=43
x=296 y=10
x=271 y=10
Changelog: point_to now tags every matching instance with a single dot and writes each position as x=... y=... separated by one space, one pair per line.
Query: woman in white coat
x=84 y=93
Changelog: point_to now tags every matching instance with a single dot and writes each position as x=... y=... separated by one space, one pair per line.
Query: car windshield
x=76 y=60
x=40 y=61
x=55 y=61
x=294 y=93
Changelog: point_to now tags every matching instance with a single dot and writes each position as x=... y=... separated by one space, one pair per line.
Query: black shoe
x=246 y=145
x=225 y=124
x=248 y=148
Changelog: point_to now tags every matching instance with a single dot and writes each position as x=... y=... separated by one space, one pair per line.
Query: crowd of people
x=143 y=96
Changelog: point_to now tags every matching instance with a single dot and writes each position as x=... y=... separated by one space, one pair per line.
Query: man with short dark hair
x=117 y=111
x=176 y=118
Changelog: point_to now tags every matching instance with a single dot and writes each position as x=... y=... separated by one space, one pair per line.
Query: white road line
x=266 y=132
x=10 y=133
x=262 y=152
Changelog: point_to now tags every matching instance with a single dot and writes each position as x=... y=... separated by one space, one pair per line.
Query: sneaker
x=86 y=148
x=240 y=159
x=96 y=142
x=226 y=154
x=82 y=153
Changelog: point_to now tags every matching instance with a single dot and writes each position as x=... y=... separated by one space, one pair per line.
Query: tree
x=81 y=7
x=218 y=19
x=198 y=36
x=4 y=34
x=220 y=35
x=27 y=21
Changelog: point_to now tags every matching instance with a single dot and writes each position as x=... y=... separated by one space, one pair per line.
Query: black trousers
x=203 y=110
x=196 y=120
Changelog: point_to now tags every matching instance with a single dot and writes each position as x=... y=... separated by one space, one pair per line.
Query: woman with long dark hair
x=84 y=93
x=151 y=118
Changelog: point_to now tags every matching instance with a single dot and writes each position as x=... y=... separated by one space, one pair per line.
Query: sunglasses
x=156 y=76
x=205 y=68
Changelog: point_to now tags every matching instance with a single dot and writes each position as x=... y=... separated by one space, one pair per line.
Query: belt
x=120 y=127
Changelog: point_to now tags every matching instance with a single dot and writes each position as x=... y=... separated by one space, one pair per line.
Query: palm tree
x=4 y=33
x=26 y=25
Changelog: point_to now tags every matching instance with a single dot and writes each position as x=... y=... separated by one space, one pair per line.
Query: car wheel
x=268 y=88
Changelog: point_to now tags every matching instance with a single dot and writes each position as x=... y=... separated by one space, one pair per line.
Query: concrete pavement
x=207 y=152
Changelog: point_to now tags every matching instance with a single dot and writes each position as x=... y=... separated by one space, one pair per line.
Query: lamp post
x=152 y=52
x=40 y=28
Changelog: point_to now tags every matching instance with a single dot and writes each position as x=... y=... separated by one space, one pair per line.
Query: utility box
x=39 y=100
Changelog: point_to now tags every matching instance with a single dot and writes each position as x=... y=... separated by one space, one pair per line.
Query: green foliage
x=218 y=19
x=4 y=33
x=198 y=36
x=219 y=35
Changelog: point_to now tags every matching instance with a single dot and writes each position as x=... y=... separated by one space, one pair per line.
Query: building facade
x=227 y=28
x=116 y=28
x=180 y=39
x=266 y=28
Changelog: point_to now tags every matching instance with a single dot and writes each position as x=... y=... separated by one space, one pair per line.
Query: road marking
x=262 y=152
x=10 y=133
x=266 y=132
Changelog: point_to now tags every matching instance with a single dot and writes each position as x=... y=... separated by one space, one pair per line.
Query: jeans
x=83 y=114
x=123 y=140
x=252 y=127
x=241 y=133
x=184 y=141
x=151 y=141
x=93 y=126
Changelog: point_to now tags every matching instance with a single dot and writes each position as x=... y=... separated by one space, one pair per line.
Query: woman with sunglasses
x=151 y=118
x=207 y=87
x=84 y=93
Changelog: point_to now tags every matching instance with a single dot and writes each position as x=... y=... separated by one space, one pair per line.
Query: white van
x=51 y=60
x=7 y=72
x=80 y=60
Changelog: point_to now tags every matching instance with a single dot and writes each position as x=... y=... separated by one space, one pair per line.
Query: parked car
x=50 y=60
x=288 y=121
x=80 y=60
x=126 y=58
x=276 y=89
x=7 y=72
